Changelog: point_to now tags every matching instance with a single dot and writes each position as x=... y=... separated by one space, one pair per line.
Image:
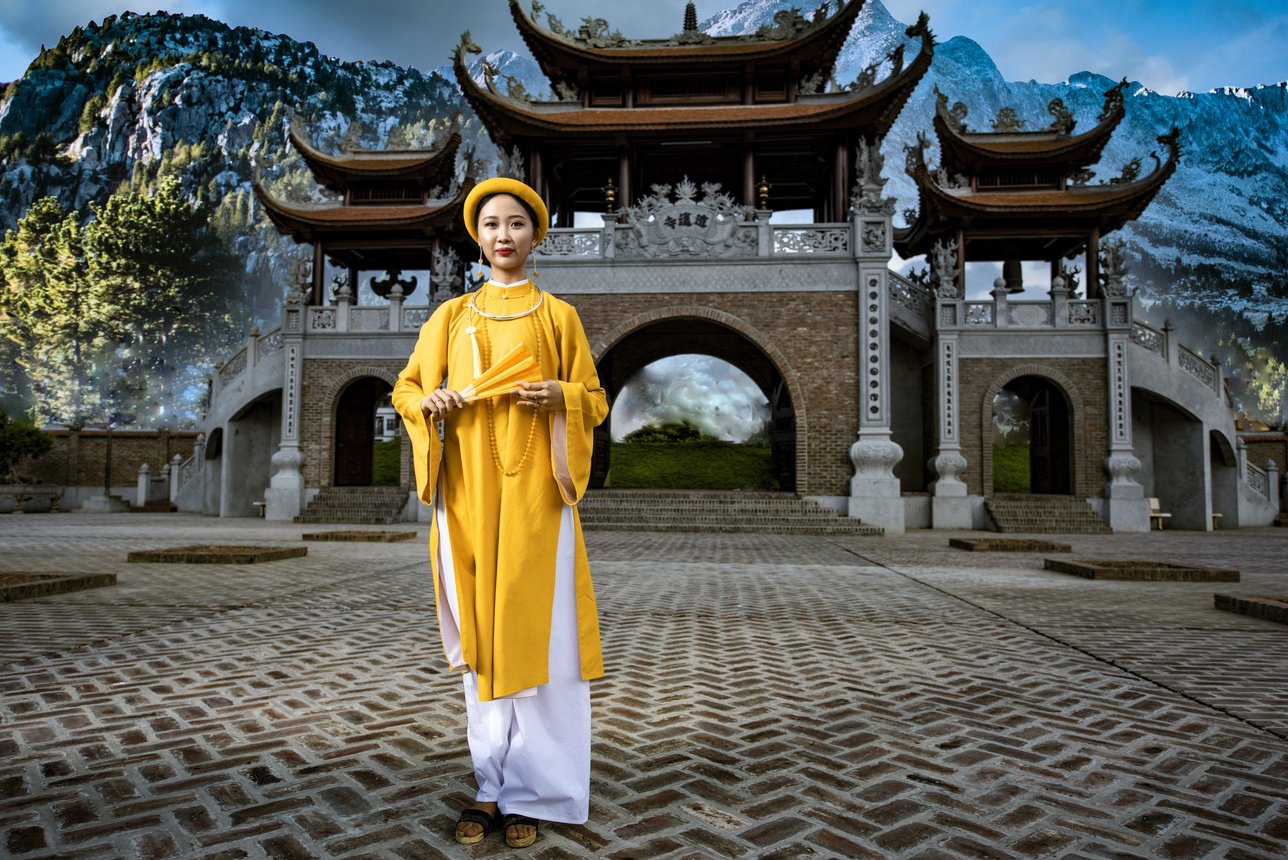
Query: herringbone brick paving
x=767 y=696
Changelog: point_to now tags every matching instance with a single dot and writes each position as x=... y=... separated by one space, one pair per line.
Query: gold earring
x=535 y=273
x=481 y=263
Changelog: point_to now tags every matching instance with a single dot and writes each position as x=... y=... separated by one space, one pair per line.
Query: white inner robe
x=531 y=750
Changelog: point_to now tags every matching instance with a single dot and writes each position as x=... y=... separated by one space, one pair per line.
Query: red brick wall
x=77 y=457
x=1265 y=447
x=812 y=339
x=979 y=378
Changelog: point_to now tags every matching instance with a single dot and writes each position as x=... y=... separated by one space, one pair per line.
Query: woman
x=512 y=587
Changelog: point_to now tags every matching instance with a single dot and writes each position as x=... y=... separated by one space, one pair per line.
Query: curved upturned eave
x=305 y=221
x=507 y=119
x=433 y=166
x=1077 y=150
x=1126 y=202
x=558 y=58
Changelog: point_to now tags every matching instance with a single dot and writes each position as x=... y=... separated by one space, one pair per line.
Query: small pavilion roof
x=970 y=152
x=564 y=58
x=1106 y=207
x=310 y=222
x=423 y=168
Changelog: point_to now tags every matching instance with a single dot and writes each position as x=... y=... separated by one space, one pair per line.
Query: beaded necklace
x=481 y=328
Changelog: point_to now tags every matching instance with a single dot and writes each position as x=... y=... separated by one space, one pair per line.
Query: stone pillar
x=395 y=306
x=145 y=482
x=949 y=507
x=1001 y=297
x=875 y=495
x=1125 y=508
x=1272 y=484
x=176 y=464
x=284 y=498
x=1059 y=302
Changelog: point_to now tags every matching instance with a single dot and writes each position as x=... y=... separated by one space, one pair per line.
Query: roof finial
x=690 y=18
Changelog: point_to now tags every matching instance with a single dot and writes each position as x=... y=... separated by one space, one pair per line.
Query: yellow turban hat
x=505 y=185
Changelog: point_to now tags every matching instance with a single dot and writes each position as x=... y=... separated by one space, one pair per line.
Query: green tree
x=53 y=318
x=171 y=287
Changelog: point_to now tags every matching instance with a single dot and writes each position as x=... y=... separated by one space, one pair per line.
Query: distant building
x=894 y=400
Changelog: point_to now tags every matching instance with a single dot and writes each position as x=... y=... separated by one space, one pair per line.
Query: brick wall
x=1266 y=446
x=77 y=457
x=322 y=383
x=812 y=339
x=1084 y=380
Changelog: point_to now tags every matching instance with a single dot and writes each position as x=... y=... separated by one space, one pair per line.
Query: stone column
x=949 y=506
x=284 y=498
x=875 y=495
x=1125 y=509
x=395 y=306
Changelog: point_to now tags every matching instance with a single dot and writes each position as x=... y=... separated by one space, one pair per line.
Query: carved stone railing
x=188 y=470
x=1257 y=480
x=322 y=319
x=1197 y=366
x=270 y=343
x=700 y=235
x=414 y=318
x=1084 y=313
x=977 y=313
x=916 y=298
x=810 y=239
x=369 y=319
x=1148 y=337
x=233 y=368
x=576 y=242
x=1029 y=314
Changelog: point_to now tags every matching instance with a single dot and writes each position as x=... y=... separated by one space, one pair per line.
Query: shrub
x=19 y=442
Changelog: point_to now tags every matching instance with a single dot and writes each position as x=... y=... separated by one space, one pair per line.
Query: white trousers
x=531 y=751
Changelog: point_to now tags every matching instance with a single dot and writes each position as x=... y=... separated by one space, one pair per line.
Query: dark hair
x=478 y=212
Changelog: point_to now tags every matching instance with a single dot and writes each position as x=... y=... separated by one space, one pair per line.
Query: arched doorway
x=1031 y=439
x=676 y=336
x=356 y=450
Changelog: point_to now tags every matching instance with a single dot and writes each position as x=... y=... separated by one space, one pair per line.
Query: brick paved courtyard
x=767 y=697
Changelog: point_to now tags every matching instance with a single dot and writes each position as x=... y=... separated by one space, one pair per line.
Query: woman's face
x=505 y=233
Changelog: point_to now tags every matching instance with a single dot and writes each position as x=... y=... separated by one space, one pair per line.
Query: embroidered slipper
x=481 y=817
x=510 y=819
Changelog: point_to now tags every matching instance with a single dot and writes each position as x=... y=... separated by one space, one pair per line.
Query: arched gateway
x=680 y=329
x=680 y=151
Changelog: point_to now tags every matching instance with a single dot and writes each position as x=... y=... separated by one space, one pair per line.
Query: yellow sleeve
x=586 y=406
x=424 y=372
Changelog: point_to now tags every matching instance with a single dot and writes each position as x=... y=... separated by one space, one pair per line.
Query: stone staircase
x=1043 y=514
x=713 y=511
x=358 y=505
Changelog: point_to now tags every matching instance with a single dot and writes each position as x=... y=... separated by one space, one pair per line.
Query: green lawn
x=691 y=466
x=386 y=463
x=1011 y=468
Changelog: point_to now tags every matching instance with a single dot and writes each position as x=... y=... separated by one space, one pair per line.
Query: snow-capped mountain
x=190 y=95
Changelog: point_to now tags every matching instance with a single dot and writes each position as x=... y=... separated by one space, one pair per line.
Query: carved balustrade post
x=284 y=498
x=875 y=495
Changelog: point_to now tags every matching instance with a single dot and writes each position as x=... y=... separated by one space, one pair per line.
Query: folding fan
x=504 y=376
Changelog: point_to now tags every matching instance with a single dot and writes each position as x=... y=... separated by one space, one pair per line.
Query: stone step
x=1044 y=514
x=713 y=511
x=359 y=505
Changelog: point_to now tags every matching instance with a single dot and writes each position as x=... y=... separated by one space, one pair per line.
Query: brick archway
x=1076 y=428
x=346 y=436
x=680 y=329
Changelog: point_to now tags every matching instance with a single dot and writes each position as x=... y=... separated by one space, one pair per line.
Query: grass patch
x=386 y=463
x=1011 y=468
x=691 y=466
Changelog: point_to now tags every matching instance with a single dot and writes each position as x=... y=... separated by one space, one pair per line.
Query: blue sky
x=1168 y=46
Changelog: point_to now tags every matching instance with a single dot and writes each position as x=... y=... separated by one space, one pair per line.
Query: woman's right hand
x=440 y=403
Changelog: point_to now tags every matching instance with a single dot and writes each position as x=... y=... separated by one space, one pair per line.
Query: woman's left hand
x=547 y=394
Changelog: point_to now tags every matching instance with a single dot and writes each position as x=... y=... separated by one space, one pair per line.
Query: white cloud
x=718 y=398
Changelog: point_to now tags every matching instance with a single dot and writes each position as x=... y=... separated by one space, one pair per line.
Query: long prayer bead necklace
x=484 y=316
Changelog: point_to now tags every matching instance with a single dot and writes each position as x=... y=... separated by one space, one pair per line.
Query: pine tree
x=54 y=317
